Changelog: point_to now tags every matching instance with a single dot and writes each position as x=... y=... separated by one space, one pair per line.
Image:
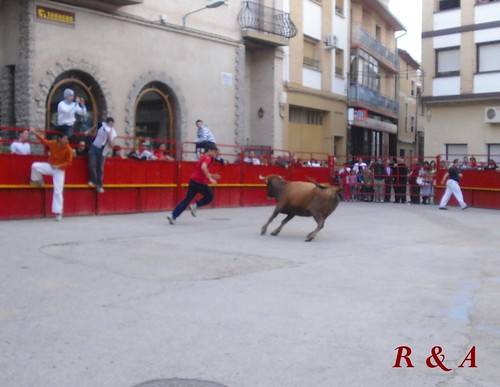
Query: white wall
x=312 y=25
x=311 y=78
x=446 y=86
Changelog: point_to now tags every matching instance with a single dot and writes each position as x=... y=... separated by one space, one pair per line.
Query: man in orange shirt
x=60 y=157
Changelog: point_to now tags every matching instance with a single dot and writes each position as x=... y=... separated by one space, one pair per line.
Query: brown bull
x=299 y=198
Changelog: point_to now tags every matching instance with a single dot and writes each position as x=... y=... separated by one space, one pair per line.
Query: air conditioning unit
x=492 y=115
x=331 y=41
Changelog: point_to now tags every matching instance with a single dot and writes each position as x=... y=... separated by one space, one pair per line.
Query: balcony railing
x=311 y=62
x=364 y=94
x=376 y=48
x=266 y=19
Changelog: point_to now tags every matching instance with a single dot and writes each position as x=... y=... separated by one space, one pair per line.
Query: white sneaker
x=100 y=190
x=170 y=219
x=193 y=208
x=58 y=217
x=91 y=184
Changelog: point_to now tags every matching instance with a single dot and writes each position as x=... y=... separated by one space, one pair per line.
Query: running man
x=198 y=183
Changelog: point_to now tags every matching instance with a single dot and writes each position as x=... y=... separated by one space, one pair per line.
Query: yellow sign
x=55 y=15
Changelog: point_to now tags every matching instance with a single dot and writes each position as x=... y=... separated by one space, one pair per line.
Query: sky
x=409 y=13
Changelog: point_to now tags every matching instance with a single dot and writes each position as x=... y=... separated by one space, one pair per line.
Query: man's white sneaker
x=100 y=190
x=58 y=217
x=193 y=208
x=91 y=184
x=170 y=219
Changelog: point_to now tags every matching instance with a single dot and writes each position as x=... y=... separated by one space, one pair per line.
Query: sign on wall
x=55 y=16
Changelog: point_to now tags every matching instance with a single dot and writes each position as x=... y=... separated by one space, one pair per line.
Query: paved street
x=121 y=300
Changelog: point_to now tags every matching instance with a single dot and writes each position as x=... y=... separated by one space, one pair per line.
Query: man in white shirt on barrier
x=104 y=137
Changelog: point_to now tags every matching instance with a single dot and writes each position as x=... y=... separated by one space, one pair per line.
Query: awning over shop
x=381 y=126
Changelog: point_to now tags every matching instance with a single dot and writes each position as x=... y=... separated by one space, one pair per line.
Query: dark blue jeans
x=95 y=165
x=194 y=188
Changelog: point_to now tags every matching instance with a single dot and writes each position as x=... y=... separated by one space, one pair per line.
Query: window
x=368 y=72
x=310 y=54
x=413 y=88
x=455 y=151
x=488 y=57
x=339 y=7
x=305 y=116
x=378 y=33
x=448 y=62
x=339 y=63
x=448 y=4
x=412 y=123
x=494 y=152
x=406 y=116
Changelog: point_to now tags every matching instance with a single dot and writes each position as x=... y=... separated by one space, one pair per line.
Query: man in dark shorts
x=199 y=183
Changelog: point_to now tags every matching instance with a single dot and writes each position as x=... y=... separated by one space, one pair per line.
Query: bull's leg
x=285 y=221
x=274 y=215
x=321 y=223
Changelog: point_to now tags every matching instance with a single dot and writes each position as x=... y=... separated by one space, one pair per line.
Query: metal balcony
x=377 y=101
x=375 y=48
x=266 y=24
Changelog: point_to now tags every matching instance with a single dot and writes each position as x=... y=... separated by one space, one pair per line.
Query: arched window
x=154 y=113
x=85 y=87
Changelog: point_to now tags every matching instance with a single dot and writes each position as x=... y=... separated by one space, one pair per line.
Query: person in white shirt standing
x=104 y=137
x=66 y=110
x=21 y=146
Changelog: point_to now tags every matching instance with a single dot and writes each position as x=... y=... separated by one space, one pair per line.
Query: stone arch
x=139 y=85
x=59 y=69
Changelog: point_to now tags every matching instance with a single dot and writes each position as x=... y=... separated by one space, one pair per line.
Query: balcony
x=375 y=48
x=265 y=24
x=365 y=96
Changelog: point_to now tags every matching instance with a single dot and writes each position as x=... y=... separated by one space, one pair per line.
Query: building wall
x=455 y=105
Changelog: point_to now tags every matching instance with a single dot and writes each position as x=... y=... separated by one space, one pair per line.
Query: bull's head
x=275 y=184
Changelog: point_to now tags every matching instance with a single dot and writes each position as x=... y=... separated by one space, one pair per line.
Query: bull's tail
x=320 y=186
x=316 y=183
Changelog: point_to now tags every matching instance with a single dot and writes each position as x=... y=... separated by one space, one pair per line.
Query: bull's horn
x=262 y=177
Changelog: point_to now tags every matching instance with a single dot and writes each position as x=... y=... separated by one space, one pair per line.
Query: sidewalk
x=121 y=300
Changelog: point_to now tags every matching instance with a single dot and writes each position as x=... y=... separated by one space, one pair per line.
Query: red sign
x=360 y=115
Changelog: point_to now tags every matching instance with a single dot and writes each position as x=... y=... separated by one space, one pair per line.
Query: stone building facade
x=155 y=66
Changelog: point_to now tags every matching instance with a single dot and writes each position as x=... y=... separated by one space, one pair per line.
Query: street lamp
x=213 y=4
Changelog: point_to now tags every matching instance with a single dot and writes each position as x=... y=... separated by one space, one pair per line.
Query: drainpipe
x=397 y=84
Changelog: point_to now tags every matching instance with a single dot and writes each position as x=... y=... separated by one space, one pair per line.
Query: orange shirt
x=60 y=156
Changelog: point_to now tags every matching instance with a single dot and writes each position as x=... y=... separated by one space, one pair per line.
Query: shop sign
x=55 y=16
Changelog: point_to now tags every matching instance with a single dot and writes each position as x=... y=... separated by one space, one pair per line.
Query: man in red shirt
x=200 y=179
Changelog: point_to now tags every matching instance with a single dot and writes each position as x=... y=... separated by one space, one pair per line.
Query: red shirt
x=198 y=174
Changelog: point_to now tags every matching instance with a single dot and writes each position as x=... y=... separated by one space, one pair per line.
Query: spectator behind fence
x=389 y=180
x=252 y=159
x=379 y=180
x=465 y=163
x=204 y=137
x=21 y=146
x=60 y=158
x=414 y=187
x=492 y=165
x=426 y=186
x=103 y=138
x=400 y=179
x=118 y=152
x=66 y=111
x=81 y=149
x=144 y=151
x=161 y=153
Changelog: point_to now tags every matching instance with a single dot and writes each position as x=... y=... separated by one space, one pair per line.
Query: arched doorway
x=154 y=113
x=84 y=86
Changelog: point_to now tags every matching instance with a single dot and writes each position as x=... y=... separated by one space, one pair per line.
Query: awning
x=378 y=125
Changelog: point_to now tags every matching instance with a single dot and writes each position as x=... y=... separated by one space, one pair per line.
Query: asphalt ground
x=122 y=300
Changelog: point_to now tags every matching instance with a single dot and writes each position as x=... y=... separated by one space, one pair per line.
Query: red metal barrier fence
x=135 y=185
